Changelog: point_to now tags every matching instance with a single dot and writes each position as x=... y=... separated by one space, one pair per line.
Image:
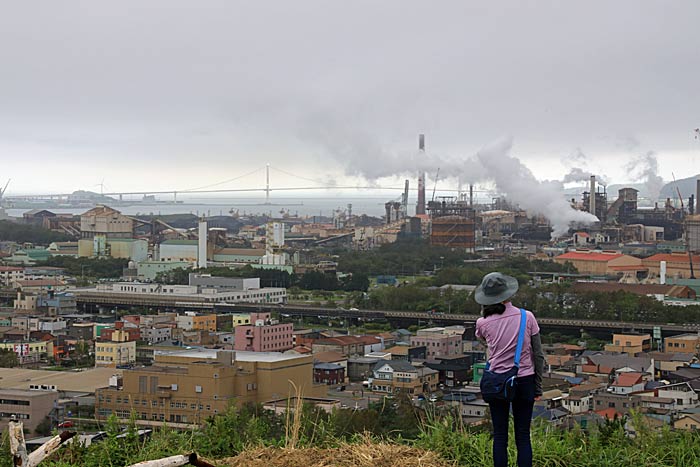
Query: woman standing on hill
x=499 y=328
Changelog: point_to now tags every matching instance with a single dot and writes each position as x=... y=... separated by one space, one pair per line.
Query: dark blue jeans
x=522 y=414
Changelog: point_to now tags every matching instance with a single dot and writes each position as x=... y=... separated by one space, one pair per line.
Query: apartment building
x=629 y=343
x=116 y=347
x=188 y=386
x=265 y=335
x=438 y=342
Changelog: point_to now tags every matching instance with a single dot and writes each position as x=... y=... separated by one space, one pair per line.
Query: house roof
x=608 y=363
x=627 y=380
x=397 y=365
x=589 y=256
x=40 y=283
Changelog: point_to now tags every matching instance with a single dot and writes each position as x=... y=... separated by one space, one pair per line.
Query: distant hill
x=686 y=185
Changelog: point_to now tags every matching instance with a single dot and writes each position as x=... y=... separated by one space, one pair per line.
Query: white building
x=193 y=293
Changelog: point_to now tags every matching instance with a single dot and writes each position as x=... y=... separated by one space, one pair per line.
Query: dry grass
x=364 y=454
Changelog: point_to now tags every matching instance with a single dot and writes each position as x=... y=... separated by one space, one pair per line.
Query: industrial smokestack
x=202 y=245
x=697 y=198
x=662 y=273
x=420 y=204
x=591 y=199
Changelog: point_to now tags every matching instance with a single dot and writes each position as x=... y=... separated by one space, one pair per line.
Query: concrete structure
x=30 y=407
x=629 y=343
x=149 y=270
x=125 y=248
x=178 y=250
x=393 y=376
x=683 y=343
x=202 y=244
x=438 y=342
x=103 y=220
x=47 y=302
x=238 y=255
x=187 y=387
x=264 y=335
x=692 y=231
x=190 y=293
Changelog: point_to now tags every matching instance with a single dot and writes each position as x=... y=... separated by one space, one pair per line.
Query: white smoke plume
x=579 y=174
x=645 y=168
x=518 y=183
x=363 y=156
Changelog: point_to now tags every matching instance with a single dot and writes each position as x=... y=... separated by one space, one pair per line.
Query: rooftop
x=240 y=355
x=78 y=381
x=590 y=256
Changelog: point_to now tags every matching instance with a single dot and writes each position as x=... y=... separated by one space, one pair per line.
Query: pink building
x=263 y=335
x=438 y=342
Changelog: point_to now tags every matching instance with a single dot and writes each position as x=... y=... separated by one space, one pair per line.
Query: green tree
x=8 y=358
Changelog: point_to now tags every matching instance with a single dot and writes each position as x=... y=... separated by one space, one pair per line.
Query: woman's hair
x=495 y=309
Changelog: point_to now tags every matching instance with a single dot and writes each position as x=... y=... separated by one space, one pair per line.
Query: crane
x=2 y=192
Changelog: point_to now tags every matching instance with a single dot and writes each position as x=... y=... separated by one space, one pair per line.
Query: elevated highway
x=92 y=300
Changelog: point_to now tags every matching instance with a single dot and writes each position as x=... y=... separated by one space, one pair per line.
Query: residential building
x=116 y=347
x=621 y=403
x=439 y=342
x=329 y=373
x=346 y=345
x=28 y=351
x=192 y=321
x=9 y=275
x=240 y=319
x=629 y=343
x=188 y=386
x=392 y=376
x=683 y=343
x=265 y=335
x=407 y=352
x=627 y=383
x=683 y=394
x=156 y=333
x=30 y=407
x=689 y=422
x=453 y=371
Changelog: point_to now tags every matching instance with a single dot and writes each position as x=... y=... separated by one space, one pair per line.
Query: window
x=198 y=389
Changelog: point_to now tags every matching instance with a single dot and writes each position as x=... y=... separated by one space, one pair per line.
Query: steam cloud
x=363 y=156
x=517 y=182
x=645 y=168
x=578 y=174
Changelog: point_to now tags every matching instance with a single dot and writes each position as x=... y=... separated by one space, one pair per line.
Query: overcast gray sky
x=179 y=94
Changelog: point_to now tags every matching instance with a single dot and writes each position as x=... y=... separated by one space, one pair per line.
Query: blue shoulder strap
x=521 y=337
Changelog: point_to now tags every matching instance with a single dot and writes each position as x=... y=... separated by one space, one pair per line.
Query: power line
x=224 y=182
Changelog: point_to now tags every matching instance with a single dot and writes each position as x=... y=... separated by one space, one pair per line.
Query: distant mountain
x=686 y=185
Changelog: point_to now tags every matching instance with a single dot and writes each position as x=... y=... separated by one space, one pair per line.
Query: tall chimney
x=662 y=273
x=420 y=204
x=202 y=245
x=697 y=198
x=591 y=199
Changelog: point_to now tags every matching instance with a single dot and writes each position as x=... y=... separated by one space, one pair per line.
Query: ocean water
x=308 y=206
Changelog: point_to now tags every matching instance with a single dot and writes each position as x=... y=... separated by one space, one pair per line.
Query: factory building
x=101 y=246
x=600 y=263
x=677 y=265
x=452 y=224
x=103 y=220
x=692 y=232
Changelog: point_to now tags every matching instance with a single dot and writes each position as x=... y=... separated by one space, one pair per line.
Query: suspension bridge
x=219 y=188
